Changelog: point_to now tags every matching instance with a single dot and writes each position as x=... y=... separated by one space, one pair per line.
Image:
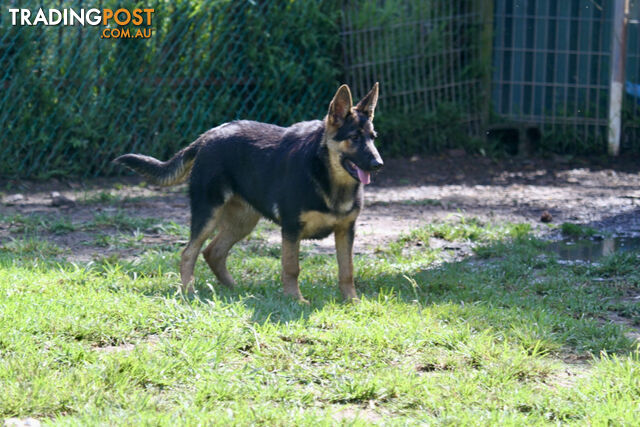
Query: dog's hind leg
x=190 y=254
x=237 y=220
x=205 y=213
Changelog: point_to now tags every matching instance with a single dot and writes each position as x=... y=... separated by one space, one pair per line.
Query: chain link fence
x=428 y=56
x=71 y=101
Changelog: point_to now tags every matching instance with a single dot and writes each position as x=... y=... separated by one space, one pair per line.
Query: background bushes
x=72 y=101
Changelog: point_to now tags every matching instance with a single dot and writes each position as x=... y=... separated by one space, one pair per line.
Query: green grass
x=121 y=221
x=107 y=197
x=38 y=224
x=470 y=230
x=577 y=230
x=30 y=247
x=27 y=224
x=507 y=337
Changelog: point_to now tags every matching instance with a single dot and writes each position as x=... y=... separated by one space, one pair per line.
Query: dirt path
x=406 y=194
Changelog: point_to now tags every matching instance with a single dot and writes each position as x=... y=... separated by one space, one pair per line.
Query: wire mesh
x=426 y=54
x=551 y=67
x=71 y=101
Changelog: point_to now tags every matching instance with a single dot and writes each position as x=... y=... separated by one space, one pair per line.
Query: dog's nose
x=376 y=165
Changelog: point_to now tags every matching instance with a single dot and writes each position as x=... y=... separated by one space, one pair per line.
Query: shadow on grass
x=515 y=288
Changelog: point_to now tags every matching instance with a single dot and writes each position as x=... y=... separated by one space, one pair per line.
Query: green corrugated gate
x=551 y=67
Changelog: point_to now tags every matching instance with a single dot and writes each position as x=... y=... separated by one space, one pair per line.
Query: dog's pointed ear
x=340 y=106
x=367 y=105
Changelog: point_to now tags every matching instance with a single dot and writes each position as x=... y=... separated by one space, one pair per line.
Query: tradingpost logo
x=118 y=24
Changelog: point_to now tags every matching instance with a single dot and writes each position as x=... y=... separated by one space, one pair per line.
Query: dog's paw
x=299 y=299
x=296 y=295
x=186 y=294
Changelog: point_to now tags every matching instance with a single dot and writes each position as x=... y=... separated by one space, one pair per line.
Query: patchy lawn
x=508 y=335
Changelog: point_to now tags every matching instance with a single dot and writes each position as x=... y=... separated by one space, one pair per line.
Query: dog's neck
x=338 y=174
x=339 y=193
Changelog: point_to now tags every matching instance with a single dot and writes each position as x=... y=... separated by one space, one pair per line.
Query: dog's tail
x=173 y=171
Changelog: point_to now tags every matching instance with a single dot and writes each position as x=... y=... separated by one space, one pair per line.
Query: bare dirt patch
x=352 y=413
x=150 y=341
x=406 y=194
x=633 y=331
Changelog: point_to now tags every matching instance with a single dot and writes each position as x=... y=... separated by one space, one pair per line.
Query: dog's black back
x=280 y=172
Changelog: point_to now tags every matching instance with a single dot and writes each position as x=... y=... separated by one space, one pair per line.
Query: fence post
x=618 y=56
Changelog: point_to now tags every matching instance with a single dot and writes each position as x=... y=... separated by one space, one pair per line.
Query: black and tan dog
x=307 y=177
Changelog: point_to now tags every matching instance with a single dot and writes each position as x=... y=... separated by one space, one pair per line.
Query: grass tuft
x=577 y=230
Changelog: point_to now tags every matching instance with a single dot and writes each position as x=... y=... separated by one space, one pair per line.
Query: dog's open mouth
x=357 y=173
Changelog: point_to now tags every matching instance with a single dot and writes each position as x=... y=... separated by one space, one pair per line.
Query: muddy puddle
x=592 y=249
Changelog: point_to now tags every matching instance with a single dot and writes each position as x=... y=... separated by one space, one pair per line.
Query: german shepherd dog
x=308 y=178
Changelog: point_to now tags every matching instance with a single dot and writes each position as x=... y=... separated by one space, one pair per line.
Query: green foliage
x=580 y=140
x=426 y=56
x=73 y=101
x=404 y=133
x=577 y=230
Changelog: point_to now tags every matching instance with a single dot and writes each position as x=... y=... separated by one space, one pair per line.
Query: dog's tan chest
x=316 y=225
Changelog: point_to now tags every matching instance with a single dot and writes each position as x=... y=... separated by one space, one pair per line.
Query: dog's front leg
x=291 y=268
x=344 y=252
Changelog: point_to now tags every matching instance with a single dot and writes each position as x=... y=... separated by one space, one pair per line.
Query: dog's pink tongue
x=365 y=177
